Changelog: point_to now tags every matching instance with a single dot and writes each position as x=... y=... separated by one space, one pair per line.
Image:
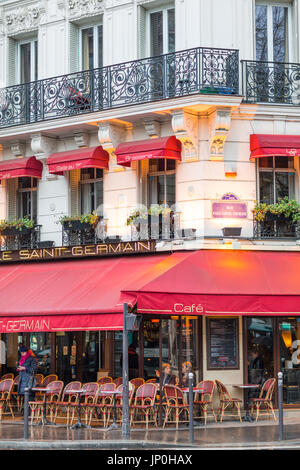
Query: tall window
x=91 y=47
x=272 y=26
x=162 y=31
x=27 y=198
x=91 y=190
x=161 y=182
x=276 y=178
x=28 y=61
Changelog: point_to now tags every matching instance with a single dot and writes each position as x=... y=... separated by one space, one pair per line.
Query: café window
x=289 y=357
x=91 y=190
x=260 y=349
x=276 y=177
x=27 y=198
x=161 y=182
x=91 y=47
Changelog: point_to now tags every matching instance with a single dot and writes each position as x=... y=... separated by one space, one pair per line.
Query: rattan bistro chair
x=63 y=406
x=175 y=405
x=263 y=404
x=143 y=409
x=86 y=399
x=227 y=402
x=6 y=387
x=205 y=399
x=98 y=409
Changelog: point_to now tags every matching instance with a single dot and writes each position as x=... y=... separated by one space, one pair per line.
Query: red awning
x=18 y=167
x=165 y=147
x=220 y=282
x=92 y=157
x=264 y=145
x=68 y=295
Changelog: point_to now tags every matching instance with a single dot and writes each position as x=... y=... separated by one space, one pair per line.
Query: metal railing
x=14 y=239
x=277 y=228
x=183 y=73
x=271 y=82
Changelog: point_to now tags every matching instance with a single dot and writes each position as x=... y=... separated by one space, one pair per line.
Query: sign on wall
x=229 y=207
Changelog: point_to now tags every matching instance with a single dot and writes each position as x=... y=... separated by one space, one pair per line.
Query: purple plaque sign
x=229 y=210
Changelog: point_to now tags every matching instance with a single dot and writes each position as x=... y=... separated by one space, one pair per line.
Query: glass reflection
x=260 y=349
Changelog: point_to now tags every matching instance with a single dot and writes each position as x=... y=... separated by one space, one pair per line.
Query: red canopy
x=165 y=147
x=220 y=282
x=18 y=167
x=92 y=157
x=68 y=295
x=264 y=145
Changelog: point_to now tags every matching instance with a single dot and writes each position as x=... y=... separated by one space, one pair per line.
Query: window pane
x=24 y=182
x=170 y=190
x=171 y=164
x=35 y=60
x=285 y=185
x=34 y=205
x=41 y=346
x=266 y=187
x=86 y=190
x=99 y=197
x=265 y=162
x=289 y=342
x=171 y=30
x=284 y=162
x=261 y=32
x=87 y=49
x=260 y=349
x=25 y=62
x=156 y=31
x=280 y=15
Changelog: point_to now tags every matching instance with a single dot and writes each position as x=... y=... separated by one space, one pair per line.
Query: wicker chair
x=6 y=387
x=205 y=399
x=263 y=404
x=53 y=394
x=175 y=403
x=137 y=382
x=7 y=376
x=119 y=403
x=118 y=381
x=143 y=409
x=68 y=398
x=104 y=380
x=226 y=401
x=87 y=398
x=102 y=400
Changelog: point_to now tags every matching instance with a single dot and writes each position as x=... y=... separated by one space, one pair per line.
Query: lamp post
x=130 y=322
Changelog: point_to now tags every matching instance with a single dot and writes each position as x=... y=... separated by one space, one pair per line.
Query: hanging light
x=286 y=334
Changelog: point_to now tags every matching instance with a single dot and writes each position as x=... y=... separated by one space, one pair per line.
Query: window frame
x=290 y=27
x=164 y=173
x=32 y=189
x=34 y=62
x=164 y=11
x=90 y=181
x=274 y=170
x=95 y=27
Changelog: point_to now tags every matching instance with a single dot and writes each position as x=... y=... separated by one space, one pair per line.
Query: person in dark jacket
x=167 y=377
x=186 y=368
x=26 y=368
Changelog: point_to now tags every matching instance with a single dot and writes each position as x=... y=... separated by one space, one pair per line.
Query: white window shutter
x=12 y=78
x=11 y=197
x=73 y=48
x=142 y=31
x=74 y=177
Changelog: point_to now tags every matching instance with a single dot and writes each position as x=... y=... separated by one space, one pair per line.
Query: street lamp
x=131 y=322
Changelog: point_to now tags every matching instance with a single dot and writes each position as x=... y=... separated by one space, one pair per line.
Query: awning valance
x=19 y=167
x=265 y=145
x=68 y=295
x=164 y=147
x=91 y=157
x=219 y=282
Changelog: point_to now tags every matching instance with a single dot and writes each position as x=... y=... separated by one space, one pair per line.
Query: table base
x=113 y=426
x=79 y=425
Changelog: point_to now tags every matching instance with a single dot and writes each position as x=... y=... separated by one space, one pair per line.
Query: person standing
x=26 y=368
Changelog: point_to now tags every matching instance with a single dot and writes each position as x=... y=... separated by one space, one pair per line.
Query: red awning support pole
x=125 y=393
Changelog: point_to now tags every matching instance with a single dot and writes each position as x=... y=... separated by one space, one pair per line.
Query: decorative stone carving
x=219 y=126
x=42 y=146
x=18 y=149
x=152 y=127
x=81 y=139
x=83 y=8
x=185 y=127
x=22 y=19
x=110 y=136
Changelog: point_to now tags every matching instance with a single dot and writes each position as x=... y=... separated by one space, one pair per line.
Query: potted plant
x=283 y=210
x=80 y=222
x=21 y=226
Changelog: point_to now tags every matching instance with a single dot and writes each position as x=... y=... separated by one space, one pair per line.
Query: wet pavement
x=229 y=435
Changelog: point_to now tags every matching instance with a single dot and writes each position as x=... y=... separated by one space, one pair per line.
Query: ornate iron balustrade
x=198 y=70
x=271 y=82
x=14 y=239
x=279 y=227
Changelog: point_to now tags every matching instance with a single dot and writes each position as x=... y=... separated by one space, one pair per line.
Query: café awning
x=163 y=147
x=67 y=295
x=265 y=145
x=91 y=157
x=220 y=282
x=19 y=167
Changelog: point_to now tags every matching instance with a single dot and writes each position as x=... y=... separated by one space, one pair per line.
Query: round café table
x=114 y=424
x=78 y=424
x=247 y=387
x=45 y=391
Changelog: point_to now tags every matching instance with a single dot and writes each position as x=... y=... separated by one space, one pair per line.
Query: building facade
x=124 y=76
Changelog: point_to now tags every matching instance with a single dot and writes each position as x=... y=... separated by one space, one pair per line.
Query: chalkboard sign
x=222 y=343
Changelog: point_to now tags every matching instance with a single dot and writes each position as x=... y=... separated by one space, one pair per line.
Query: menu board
x=222 y=343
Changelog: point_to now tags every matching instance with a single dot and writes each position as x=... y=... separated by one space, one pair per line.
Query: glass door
x=67 y=357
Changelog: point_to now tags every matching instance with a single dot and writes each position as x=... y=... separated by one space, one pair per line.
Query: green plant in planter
x=259 y=211
x=18 y=224
x=153 y=210
x=91 y=218
x=288 y=208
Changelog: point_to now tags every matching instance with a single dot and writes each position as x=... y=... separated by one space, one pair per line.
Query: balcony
x=12 y=238
x=184 y=73
x=271 y=82
x=278 y=227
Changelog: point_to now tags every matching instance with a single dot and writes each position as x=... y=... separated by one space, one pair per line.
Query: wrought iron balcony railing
x=12 y=238
x=271 y=82
x=276 y=227
x=198 y=70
